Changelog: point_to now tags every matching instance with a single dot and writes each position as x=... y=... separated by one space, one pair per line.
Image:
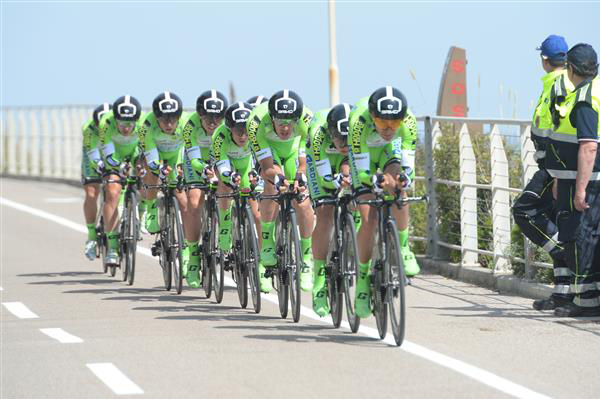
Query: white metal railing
x=47 y=142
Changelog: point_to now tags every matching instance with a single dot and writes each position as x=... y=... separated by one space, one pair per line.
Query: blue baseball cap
x=554 y=48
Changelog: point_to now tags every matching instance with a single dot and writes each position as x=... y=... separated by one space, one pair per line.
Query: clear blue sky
x=86 y=52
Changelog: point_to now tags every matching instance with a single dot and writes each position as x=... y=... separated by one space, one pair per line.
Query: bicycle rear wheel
x=132 y=238
x=176 y=244
x=394 y=270
x=349 y=266
x=251 y=258
x=334 y=293
x=216 y=267
x=294 y=262
x=123 y=234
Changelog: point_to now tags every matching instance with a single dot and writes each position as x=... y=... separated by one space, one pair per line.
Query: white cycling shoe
x=90 y=249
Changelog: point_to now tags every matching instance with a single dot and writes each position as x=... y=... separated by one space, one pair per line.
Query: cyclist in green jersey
x=382 y=141
x=278 y=132
x=198 y=129
x=119 y=139
x=234 y=161
x=328 y=171
x=91 y=165
x=162 y=143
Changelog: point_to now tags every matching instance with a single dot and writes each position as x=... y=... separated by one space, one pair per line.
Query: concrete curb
x=482 y=277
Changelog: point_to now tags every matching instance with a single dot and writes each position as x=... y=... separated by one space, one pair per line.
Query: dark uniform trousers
x=579 y=233
x=534 y=212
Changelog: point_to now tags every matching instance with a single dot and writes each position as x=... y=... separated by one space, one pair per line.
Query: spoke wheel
x=294 y=264
x=349 y=264
x=396 y=279
x=238 y=259
x=251 y=258
x=176 y=244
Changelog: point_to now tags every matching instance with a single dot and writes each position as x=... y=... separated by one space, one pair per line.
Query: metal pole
x=334 y=84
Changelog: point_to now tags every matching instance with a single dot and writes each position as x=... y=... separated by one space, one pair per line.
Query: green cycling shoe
x=411 y=267
x=266 y=284
x=320 y=303
x=362 y=298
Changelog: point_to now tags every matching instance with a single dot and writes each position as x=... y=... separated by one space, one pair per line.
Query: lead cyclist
x=382 y=140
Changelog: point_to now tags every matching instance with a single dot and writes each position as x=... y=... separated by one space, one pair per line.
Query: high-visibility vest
x=563 y=144
x=542 y=124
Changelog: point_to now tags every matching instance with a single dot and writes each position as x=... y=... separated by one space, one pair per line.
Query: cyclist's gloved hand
x=301 y=179
x=405 y=177
x=377 y=181
x=279 y=181
x=100 y=167
x=163 y=171
x=207 y=173
x=123 y=169
x=340 y=180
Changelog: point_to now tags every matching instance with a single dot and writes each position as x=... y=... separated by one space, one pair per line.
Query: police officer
x=573 y=159
x=533 y=211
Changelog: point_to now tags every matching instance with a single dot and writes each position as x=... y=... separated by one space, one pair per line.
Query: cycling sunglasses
x=385 y=124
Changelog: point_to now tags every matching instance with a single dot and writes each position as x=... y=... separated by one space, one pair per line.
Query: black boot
x=572 y=310
x=551 y=303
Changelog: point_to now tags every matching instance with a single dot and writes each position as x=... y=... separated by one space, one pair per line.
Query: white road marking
x=19 y=310
x=485 y=377
x=114 y=378
x=61 y=335
x=1 y=289
x=63 y=200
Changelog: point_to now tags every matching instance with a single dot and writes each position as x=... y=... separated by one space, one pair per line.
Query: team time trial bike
x=168 y=245
x=288 y=253
x=387 y=278
x=242 y=260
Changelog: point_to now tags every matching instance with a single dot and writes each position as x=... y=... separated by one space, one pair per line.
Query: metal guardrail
x=47 y=142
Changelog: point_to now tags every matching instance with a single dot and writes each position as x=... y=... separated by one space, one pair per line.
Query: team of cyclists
x=263 y=145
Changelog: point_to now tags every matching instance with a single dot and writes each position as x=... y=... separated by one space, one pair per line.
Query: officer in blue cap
x=575 y=162
x=534 y=210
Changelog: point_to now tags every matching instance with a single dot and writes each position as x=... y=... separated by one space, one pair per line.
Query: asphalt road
x=69 y=331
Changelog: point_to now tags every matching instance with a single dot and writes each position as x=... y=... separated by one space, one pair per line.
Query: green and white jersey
x=117 y=147
x=197 y=140
x=322 y=158
x=369 y=151
x=156 y=144
x=228 y=156
x=266 y=143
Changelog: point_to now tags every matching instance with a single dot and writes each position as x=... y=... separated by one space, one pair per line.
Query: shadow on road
x=60 y=274
x=492 y=304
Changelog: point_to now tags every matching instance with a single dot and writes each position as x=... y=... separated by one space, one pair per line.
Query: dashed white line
x=19 y=310
x=63 y=200
x=61 y=335
x=114 y=378
x=476 y=373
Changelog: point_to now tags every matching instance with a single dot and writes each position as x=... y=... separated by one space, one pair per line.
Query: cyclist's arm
x=149 y=147
x=360 y=160
x=90 y=145
x=261 y=148
x=192 y=149
x=322 y=164
x=107 y=144
x=219 y=154
x=409 y=142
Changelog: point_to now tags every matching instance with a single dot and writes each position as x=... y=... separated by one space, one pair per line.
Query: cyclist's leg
x=111 y=217
x=91 y=186
x=195 y=202
x=224 y=217
x=268 y=212
x=320 y=245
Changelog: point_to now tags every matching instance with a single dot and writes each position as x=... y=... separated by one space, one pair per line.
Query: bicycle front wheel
x=239 y=261
x=294 y=263
x=123 y=234
x=349 y=265
x=206 y=251
x=132 y=238
x=334 y=293
x=176 y=244
x=251 y=258
x=394 y=269
x=216 y=267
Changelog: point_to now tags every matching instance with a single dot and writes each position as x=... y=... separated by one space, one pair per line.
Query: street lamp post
x=334 y=84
